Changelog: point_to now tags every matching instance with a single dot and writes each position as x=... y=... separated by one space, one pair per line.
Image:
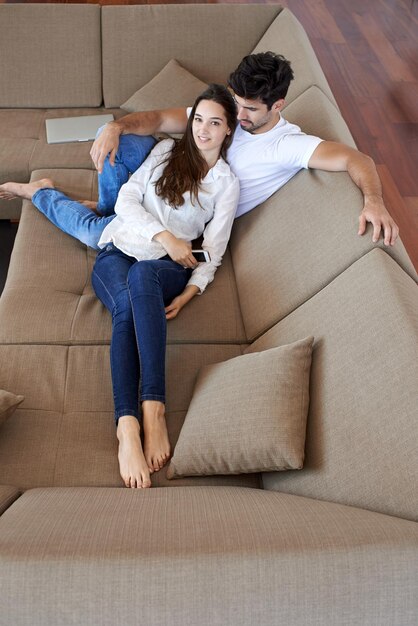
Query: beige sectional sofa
x=333 y=543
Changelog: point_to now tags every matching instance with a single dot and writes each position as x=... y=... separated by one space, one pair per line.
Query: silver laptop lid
x=83 y=128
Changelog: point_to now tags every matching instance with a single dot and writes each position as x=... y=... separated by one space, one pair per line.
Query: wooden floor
x=368 y=50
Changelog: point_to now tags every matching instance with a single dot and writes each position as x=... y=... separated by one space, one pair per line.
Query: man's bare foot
x=156 y=442
x=132 y=464
x=8 y=191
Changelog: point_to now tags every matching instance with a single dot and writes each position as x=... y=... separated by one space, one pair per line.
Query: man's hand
x=375 y=212
x=178 y=250
x=106 y=143
x=336 y=157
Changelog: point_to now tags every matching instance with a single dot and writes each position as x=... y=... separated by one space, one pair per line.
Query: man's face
x=255 y=117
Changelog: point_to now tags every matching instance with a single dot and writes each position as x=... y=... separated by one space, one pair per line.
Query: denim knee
x=89 y=239
x=143 y=275
x=122 y=310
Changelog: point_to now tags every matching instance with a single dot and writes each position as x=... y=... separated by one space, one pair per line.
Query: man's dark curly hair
x=264 y=76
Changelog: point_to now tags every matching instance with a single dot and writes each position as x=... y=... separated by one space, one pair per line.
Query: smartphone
x=201 y=256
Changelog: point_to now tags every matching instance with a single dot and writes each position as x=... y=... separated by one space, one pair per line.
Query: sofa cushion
x=173 y=86
x=287 y=36
x=45 y=259
x=313 y=112
x=73 y=154
x=14 y=159
x=29 y=442
x=20 y=130
x=56 y=54
x=129 y=62
x=23 y=148
x=65 y=433
x=294 y=244
x=361 y=439
x=7 y=496
x=247 y=414
x=8 y=404
x=210 y=556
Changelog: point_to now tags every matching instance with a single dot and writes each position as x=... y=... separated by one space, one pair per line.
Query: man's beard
x=254 y=127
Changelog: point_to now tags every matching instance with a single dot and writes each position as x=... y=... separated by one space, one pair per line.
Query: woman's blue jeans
x=136 y=293
x=77 y=220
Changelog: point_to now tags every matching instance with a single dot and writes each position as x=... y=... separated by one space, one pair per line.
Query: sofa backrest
x=361 y=443
x=138 y=41
x=56 y=52
x=287 y=36
x=53 y=55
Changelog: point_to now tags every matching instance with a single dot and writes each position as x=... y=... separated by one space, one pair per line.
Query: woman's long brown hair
x=186 y=168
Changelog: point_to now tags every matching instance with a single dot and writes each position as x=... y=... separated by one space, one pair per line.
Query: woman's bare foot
x=8 y=191
x=156 y=442
x=132 y=464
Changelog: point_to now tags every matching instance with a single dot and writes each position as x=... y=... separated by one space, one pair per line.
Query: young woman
x=146 y=273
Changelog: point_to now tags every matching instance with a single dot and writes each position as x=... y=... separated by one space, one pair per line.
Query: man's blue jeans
x=136 y=293
x=77 y=220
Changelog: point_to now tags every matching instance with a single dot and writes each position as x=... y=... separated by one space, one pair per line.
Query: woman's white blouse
x=141 y=214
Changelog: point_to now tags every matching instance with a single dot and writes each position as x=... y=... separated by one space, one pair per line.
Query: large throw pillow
x=8 y=403
x=172 y=87
x=247 y=414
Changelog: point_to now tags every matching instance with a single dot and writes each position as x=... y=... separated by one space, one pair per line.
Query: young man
x=266 y=152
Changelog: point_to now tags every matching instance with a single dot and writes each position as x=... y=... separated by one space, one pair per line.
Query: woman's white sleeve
x=129 y=202
x=216 y=235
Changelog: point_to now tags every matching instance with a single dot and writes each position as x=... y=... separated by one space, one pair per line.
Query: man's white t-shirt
x=265 y=162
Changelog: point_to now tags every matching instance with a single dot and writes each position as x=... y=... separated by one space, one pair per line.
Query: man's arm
x=142 y=123
x=336 y=157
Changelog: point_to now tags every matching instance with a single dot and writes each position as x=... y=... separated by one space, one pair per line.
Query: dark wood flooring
x=368 y=50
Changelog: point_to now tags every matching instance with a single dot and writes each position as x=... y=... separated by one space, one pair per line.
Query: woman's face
x=209 y=127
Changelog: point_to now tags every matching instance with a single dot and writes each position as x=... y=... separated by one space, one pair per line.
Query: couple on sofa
x=146 y=218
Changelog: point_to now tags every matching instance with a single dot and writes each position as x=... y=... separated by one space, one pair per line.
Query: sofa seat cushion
x=74 y=154
x=362 y=432
x=49 y=285
x=210 y=556
x=64 y=432
x=15 y=154
x=18 y=126
x=7 y=496
x=23 y=147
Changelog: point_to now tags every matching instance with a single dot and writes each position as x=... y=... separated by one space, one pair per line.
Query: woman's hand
x=174 y=308
x=178 y=250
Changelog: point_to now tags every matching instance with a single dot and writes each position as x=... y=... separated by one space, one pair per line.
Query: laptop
x=83 y=128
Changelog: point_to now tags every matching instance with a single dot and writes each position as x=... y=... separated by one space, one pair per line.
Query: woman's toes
x=132 y=464
x=159 y=462
x=157 y=444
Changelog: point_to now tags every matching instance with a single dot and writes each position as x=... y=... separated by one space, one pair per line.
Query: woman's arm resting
x=174 y=308
x=141 y=123
x=336 y=157
x=178 y=250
